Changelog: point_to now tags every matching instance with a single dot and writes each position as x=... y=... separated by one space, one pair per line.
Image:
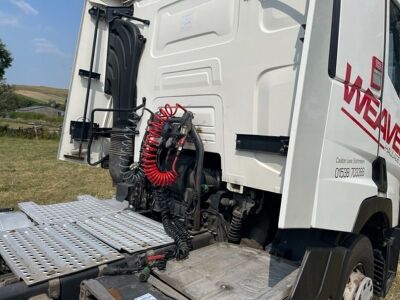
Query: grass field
x=29 y=171
x=21 y=123
x=42 y=93
x=11 y=123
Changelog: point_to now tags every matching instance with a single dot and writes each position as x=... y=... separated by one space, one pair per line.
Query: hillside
x=42 y=94
x=18 y=123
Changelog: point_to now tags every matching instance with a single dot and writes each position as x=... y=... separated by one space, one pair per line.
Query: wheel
x=360 y=269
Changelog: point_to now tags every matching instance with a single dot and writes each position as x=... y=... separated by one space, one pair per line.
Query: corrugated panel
x=127 y=231
x=71 y=211
x=40 y=253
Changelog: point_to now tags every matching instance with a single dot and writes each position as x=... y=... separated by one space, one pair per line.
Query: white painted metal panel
x=234 y=63
x=329 y=169
x=390 y=125
x=361 y=37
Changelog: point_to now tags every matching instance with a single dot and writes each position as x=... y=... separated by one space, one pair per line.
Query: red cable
x=151 y=258
x=151 y=145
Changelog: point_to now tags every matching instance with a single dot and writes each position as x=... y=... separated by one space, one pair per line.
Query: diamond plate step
x=40 y=253
x=127 y=231
x=86 y=207
x=229 y=271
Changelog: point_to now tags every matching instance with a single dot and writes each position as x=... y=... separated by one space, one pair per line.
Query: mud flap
x=386 y=261
x=321 y=274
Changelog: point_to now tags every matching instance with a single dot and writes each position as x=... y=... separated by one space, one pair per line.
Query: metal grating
x=127 y=231
x=14 y=220
x=112 y=202
x=40 y=253
x=70 y=211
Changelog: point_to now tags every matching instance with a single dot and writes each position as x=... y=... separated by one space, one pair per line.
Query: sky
x=41 y=36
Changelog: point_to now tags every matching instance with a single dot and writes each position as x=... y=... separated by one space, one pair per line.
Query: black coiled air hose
x=183 y=232
x=117 y=158
x=173 y=227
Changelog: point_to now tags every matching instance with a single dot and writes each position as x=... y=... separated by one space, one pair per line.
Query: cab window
x=394 y=46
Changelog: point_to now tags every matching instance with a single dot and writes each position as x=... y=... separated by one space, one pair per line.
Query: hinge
x=109 y=14
x=87 y=74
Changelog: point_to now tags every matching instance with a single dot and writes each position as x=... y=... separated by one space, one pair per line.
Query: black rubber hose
x=183 y=232
x=235 y=229
x=199 y=171
x=171 y=228
x=89 y=151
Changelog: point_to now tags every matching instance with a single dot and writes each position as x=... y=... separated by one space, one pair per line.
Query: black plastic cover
x=125 y=47
x=379 y=174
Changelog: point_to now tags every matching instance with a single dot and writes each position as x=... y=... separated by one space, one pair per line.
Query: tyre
x=360 y=269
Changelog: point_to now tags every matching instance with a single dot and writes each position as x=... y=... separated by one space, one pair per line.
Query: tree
x=5 y=60
x=6 y=91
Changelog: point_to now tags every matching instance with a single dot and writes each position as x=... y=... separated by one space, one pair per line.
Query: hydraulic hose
x=199 y=172
x=172 y=227
x=235 y=228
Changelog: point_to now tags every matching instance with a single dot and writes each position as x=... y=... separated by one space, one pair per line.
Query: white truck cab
x=264 y=135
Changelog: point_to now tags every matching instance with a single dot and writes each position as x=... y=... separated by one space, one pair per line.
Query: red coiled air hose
x=151 y=146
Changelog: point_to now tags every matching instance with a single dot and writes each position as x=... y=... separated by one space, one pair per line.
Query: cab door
x=390 y=109
x=334 y=138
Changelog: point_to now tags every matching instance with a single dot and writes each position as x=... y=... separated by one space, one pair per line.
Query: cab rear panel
x=269 y=124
